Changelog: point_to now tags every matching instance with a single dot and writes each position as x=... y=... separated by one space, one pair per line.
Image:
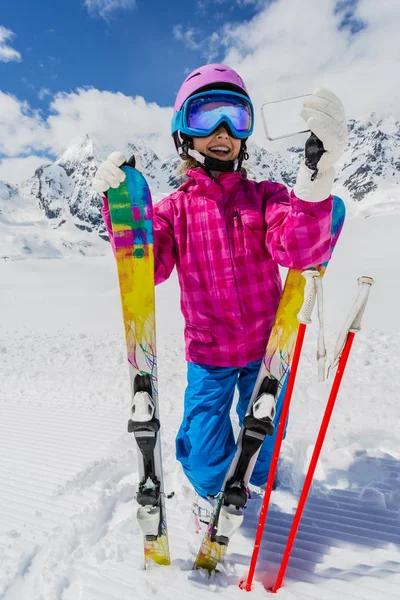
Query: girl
x=226 y=236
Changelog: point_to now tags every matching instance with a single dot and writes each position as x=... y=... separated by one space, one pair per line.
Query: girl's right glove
x=109 y=174
x=325 y=117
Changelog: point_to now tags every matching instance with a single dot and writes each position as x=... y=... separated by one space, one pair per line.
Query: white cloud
x=21 y=129
x=202 y=5
x=16 y=170
x=7 y=53
x=111 y=118
x=43 y=92
x=290 y=48
x=187 y=37
x=104 y=8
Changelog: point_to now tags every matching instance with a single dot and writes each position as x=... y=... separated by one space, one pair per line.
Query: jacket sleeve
x=298 y=232
x=164 y=241
x=105 y=213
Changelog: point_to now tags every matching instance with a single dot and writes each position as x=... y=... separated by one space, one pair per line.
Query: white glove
x=325 y=117
x=109 y=174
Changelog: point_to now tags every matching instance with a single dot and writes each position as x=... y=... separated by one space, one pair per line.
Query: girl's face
x=218 y=145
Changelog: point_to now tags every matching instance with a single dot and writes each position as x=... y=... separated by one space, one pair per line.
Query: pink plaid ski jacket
x=226 y=238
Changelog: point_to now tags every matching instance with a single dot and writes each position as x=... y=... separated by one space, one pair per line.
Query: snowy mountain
x=56 y=211
x=371 y=171
x=63 y=189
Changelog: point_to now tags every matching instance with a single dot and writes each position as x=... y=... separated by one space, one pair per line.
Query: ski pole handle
x=313 y=291
x=310 y=293
x=364 y=286
x=353 y=320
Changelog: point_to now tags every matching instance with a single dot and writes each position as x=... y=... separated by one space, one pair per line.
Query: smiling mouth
x=220 y=151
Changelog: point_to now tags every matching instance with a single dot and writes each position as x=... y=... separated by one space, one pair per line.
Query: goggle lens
x=207 y=111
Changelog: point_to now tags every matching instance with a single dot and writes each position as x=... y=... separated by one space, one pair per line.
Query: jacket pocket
x=199 y=334
x=253 y=230
x=252 y=219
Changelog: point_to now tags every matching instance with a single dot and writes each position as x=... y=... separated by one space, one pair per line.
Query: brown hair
x=188 y=163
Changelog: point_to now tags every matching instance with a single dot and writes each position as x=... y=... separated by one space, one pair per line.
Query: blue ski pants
x=205 y=444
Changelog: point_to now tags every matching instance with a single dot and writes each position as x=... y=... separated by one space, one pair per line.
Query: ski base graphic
x=131 y=214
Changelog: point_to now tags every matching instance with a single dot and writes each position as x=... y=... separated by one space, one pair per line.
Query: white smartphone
x=281 y=118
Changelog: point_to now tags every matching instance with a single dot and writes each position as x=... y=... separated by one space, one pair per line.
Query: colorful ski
x=132 y=224
x=271 y=382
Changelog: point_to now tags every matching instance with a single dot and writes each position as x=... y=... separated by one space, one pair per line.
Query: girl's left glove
x=109 y=173
x=325 y=117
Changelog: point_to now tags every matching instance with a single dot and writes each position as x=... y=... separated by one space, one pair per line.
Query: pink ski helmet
x=222 y=76
x=207 y=78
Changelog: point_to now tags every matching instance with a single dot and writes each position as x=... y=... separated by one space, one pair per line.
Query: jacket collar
x=202 y=181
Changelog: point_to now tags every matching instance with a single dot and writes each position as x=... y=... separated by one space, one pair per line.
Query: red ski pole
x=355 y=324
x=314 y=460
x=304 y=318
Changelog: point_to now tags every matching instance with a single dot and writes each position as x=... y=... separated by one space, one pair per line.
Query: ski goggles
x=203 y=113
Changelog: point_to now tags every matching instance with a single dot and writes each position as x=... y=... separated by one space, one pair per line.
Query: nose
x=222 y=131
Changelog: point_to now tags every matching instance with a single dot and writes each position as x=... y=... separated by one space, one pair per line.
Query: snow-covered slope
x=68 y=468
x=66 y=210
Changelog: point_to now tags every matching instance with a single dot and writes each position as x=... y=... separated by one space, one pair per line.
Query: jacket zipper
x=238 y=231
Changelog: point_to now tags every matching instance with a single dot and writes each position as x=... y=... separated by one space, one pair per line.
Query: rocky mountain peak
x=62 y=193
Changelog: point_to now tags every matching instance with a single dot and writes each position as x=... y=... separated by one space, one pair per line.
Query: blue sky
x=111 y=68
x=64 y=45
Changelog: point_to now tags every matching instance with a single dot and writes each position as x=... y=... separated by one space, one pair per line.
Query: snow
x=68 y=467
